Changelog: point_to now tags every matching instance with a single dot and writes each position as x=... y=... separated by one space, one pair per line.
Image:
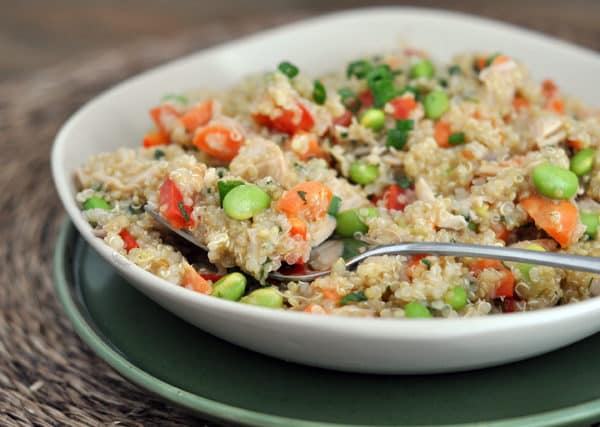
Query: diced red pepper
x=366 y=99
x=403 y=107
x=391 y=198
x=509 y=305
x=343 y=120
x=128 y=240
x=287 y=121
x=506 y=284
x=178 y=215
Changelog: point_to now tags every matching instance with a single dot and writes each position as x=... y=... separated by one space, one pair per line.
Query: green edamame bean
x=96 y=203
x=230 y=287
x=423 y=68
x=264 y=297
x=436 y=103
x=591 y=222
x=415 y=309
x=555 y=182
x=245 y=201
x=373 y=118
x=583 y=162
x=456 y=297
x=524 y=267
x=363 y=173
x=351 y=221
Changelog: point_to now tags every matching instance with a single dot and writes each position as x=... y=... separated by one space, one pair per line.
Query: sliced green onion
x=184 y=214
x=456 y=138
x=454 y=70
x=158 y=154
x=353 y=297
x=403 y=182
x=319 y=93
x=350 y=100
x=358 y=69
x=288 y=69
x=334 y=206
x=405 y=124
x=381 y=82
x=396 y=138
x=179 y=98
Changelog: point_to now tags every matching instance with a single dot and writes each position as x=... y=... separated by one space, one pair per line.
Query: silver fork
x=551 y=259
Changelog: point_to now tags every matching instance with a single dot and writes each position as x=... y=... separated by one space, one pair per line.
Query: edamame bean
x=456 y=297
x=230 y=287
x=245 y=201
x=555 y=182
x=264 y=297
x=415 y=309
x=423 y=68
x=363 y=173
x=583 y=162
x=591 y=222
x=523 y=267
x=436 y=103
x=373 y=118
x=96 y=203
x=351 y=221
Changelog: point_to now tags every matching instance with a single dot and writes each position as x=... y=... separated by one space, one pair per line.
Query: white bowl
x=119 y=117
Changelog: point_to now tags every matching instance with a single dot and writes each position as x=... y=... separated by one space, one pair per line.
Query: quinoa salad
x=285 y=171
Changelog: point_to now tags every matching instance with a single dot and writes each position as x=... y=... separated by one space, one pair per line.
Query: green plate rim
x=584 y=412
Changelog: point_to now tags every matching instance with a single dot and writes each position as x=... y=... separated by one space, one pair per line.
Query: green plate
x=215 y=379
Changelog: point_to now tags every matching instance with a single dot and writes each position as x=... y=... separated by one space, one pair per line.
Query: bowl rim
x=378 y=328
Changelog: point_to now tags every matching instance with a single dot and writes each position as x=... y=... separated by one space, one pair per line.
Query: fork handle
x=551 y=259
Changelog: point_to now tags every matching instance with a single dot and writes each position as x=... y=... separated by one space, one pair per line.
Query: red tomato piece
x=391 y=198
x=366 y=99
x=128 y=240
x=288 y=121
x=403 y=107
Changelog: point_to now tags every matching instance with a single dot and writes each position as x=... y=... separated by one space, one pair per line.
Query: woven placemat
x=48 y=376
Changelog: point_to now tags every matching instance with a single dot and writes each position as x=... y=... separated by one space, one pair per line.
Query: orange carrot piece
x=558 y=218
x=576 y=144
x=313 y=308
x=198 y=116
x=555 y=104
x=305 y=145
x=549 y=88
x=153 y=139
x=161 y=114
x=520 y=103
x=467 y=154
x=193 y=280
x=500 y=59
x=331 y=294
x=506 y=284
x=308 y=200
x=298 y=227
x=219 y=141
x=441 y=133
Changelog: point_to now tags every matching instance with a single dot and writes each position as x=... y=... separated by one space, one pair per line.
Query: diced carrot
x=403 y=106
x=172 y=207
x=501 y=232
x=506 y=285
x=480 y=62
x=500 y=59
x=219 y=141
x=308 y=200
x=441 y=133
x=305 y=145
x=555 y=104
x=129 y=241
x=162 y=115
x=288 y=121
x=467 y=154
x=313 y=308
x=331 y=294
x=366 y=98
x=520 y=103
x=576 y=144
x=298 y=227
x=153 y=139
x=198 y=116
x=549 y=88
x=193 y=280
x=558 y=218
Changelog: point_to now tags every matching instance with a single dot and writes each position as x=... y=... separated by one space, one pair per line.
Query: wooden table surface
x=38 y=33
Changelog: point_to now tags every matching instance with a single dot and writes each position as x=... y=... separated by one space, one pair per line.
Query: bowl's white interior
x=119 y=116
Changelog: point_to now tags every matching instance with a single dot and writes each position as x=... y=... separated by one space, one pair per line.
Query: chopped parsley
x=353 y=297
x=404 y=182
x=426 y=262
x=184 y=213
x=158 y=154
x=302 y=195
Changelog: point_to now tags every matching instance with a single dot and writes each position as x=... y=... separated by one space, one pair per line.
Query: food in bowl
x=286 y=171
